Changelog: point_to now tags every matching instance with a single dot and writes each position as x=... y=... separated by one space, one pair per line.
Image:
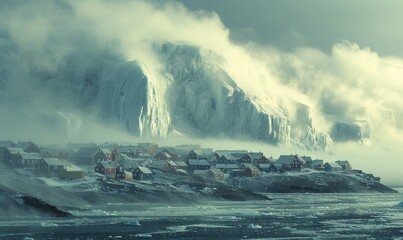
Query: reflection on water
x=297 y=216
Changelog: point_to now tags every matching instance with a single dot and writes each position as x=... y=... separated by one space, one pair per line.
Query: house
x=228 y=156
x=130 y=151
x=275 y=167
x=264 y=159
x=170 y=165
x=142 y=173
x=29 y=147
x=3 y=146
x=237 y=173
x=54 y=152
x=197 y=154
x=227 y=167
x=51 y=165
x=163 y=155
x=89 y=156
x=264 y=167
x=345 y=165
x=317 y=165
x=215 y=174
x=291 y=162
x=197 y=164
x=251 y=170
x=308 y=160
x=332 y=167
x=252 y=157
x=71 y=173
x=11 y=154
x=25 y=159
x=107 y=168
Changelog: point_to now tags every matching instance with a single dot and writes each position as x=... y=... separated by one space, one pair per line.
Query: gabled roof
x=130 y=148
x=264 y=165
x=53 y=161
x=216 y=171
x=198 y=152
x=198 y=162
x=6 y=143
x=255 y=155
x=14 y=150
x=251 y=166
x=230 y=157
x=108 y=164
x=24 y=145
x=317 y=162
x=31 y=156
x=334 y=165
x=342 y=162
x=307 y=158
x=144 y=170
x=172 y=163
x=164 y=154
x=181 y=164
x=288 y=159
x=234 y=153
x=87 y=152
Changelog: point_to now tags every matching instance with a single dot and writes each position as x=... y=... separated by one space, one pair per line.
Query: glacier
x=186 y=90
x=189 y=93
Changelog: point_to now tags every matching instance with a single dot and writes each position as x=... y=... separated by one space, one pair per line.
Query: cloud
x=53 y=51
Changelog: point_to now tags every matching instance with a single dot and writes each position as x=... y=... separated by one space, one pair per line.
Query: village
x=138 y=162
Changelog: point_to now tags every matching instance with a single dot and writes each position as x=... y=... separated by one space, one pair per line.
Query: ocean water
x=287 y=216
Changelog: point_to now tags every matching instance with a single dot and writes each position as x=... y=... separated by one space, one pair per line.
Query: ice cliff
x=189 y=93
x=185 y=90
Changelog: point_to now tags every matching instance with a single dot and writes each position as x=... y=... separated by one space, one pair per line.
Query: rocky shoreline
x=313 y=182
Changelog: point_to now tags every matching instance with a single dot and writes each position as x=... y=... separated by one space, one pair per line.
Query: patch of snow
x=254 y=226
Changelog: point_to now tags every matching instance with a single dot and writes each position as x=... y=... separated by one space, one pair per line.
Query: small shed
x=345 y=165
x=163 y=155
x=215 y=174
x=142 y=173
x=51 y=165
x=251 y=171
x=332 y=167
x=71 y=173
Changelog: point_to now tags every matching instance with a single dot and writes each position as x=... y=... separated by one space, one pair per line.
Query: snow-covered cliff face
x=189 y=93
x=185 y=90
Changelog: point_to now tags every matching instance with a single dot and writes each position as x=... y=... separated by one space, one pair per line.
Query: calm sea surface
x=287 y=216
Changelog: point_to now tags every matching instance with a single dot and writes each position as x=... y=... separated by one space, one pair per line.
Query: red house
x=106 y=168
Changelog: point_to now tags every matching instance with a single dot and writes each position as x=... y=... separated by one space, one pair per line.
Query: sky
x=341 y=58
x=289 y=24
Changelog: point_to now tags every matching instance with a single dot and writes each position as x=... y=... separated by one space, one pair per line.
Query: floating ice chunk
x=400 y=205
x=48 y=224
x=254 y=226
x=177 y=228
x=143 y=235
x=28 y=238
